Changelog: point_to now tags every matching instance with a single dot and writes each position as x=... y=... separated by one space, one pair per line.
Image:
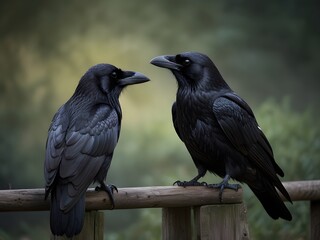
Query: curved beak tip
x=140 y=78
x=136 y=78
x=156 y=60
x=164 y=62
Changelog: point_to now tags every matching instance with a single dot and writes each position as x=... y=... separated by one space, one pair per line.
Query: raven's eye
x=114 y=75
x=186 y=62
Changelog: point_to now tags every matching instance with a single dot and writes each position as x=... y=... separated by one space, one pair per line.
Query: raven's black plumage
x=221 y=133
x=81 y=140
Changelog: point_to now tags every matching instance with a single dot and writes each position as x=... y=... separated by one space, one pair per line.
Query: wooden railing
x=210 y=219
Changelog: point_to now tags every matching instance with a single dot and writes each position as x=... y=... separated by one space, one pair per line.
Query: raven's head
x=107 y=79
x=191 y=69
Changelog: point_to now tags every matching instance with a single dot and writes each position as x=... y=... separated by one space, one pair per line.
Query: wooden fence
x=192 y=212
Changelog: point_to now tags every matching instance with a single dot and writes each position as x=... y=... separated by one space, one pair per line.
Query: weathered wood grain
x=126 y=198
x=315 y=220
x=303 y=190
x=149 y=197
x=176 y=223
x=225 y=221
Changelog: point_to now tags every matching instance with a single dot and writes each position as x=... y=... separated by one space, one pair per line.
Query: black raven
x=81 y=140
x=221 y=133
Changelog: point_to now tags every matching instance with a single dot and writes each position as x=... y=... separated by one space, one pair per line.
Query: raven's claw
x=189 y=183
x=109 y=189
x=224 y=184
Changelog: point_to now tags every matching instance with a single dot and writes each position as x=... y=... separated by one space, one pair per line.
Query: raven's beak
x=166 y=61
x=132 y=78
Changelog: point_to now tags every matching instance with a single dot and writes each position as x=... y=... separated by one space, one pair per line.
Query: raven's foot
x=224 y=184
x=189 y=183
x=109 y=189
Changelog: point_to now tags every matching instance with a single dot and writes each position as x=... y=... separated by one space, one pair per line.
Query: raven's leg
x=224 y=184
x=109 y=190
x=194 y=181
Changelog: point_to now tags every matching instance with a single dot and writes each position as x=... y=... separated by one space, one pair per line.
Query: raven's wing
x=174 y=119
x=238 y=123
x=74 y=155
x=55 y=146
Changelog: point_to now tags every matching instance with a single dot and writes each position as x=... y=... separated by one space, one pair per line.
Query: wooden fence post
x=314 y=220
x=92 y=229
x=176 y=223
x=226 y=221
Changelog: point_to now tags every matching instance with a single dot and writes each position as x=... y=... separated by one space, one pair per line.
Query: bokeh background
x=268 y=52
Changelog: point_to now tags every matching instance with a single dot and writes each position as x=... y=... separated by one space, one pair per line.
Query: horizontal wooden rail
x=303 y=190
x=126 y=198
x=149 y=197
x=177 y=203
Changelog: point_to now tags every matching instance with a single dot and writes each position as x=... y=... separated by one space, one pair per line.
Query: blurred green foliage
x=268 y=52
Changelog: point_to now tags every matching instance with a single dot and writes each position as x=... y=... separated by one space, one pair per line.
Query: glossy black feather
x=80 y=144
x=220 y=131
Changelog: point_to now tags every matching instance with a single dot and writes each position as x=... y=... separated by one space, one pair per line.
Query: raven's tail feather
x=69 y=223
x=271 y=201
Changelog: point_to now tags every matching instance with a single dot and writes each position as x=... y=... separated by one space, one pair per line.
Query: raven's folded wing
x=242 y=130
x=75 y=154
